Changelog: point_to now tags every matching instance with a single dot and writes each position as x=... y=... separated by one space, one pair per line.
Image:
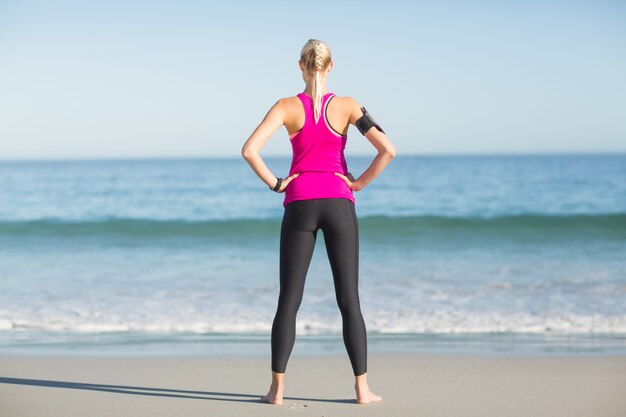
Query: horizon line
x=281 y=156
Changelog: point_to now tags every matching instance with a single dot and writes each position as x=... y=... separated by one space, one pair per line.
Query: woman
x=318 y=195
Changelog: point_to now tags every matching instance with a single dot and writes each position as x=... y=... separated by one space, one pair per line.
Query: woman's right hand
x=286 y=182
x=350 y=181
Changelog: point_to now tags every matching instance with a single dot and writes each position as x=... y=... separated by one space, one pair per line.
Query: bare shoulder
x=283 y=108
x=350 y=107
x=287 y=101
x=347 y=101
x=288 y=104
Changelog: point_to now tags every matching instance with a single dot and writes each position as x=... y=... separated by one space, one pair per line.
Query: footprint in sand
x=295 y=406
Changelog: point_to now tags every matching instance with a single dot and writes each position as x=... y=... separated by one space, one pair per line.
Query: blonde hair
x=315 y=56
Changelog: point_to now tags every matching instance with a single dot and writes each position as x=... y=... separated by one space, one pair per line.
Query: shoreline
x=258 y=343
x=230 y=385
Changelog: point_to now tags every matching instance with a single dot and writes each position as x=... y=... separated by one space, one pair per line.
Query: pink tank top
x=317 y=155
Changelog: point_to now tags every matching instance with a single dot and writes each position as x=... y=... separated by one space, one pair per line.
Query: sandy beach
x=411 y=385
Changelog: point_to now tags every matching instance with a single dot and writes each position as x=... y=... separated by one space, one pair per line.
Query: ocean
x=509 y=254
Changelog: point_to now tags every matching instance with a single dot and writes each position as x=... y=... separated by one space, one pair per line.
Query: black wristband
x=279 y=182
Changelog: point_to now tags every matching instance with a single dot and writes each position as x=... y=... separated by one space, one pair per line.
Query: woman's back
x=318 y=148
x=339 y=113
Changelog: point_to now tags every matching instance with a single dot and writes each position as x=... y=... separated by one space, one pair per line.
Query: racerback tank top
x=318 y=152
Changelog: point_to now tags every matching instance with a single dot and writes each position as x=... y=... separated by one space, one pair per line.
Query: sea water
x=481 y=254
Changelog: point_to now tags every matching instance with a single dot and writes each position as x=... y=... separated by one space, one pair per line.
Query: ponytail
x=317 y=95
x=316 y=57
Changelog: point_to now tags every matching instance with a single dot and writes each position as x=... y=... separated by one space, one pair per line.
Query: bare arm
x=274 y=119
x=386 y=152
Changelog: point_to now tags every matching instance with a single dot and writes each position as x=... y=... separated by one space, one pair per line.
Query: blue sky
x=189 y=78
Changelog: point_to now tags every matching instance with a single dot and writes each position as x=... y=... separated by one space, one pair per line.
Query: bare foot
x=364 y=395
x=274 y=396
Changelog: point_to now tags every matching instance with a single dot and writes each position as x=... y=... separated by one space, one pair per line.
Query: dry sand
x=411 y=385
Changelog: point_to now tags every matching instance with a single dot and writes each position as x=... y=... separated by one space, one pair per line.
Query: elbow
x=247 y=153
x=390 y=152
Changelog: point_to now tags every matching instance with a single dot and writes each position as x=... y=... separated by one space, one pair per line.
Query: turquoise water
x=506 y=254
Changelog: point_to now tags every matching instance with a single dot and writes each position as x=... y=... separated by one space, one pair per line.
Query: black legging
x=302 y=219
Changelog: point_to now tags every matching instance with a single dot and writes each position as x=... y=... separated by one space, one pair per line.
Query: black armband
x=366 y=122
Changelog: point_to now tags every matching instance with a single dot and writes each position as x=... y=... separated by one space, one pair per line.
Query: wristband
x=279 y=182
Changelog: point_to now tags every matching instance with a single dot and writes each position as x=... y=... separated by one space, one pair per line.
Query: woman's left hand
x=286 y=182
x=350 y=181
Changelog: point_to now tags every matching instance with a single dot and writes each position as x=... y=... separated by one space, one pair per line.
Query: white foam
x=388 y=322
x=457 y=322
